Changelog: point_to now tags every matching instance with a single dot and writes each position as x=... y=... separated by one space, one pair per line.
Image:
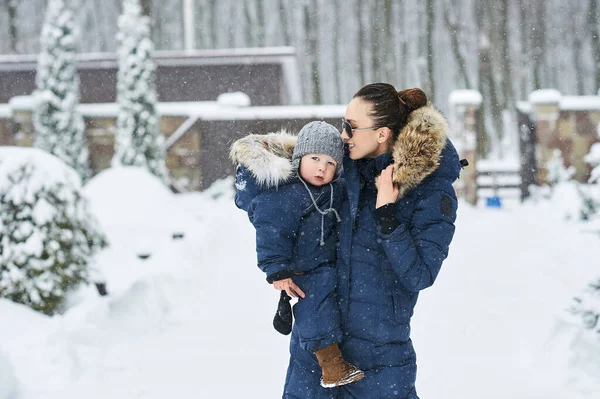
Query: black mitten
x=283 y=318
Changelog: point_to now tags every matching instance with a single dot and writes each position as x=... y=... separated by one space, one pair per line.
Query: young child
x=291 y=189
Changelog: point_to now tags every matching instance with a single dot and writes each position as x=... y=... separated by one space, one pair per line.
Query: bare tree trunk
x=233 y=13
x=453 y=29
x=577 y=61
x=251 y=20
x=388 y=39
x=203 y=27
x=336 y=51
x=375 y=30
x=416 y=44
x=574 y=27
x=482 y=143
x=429 y=38
x=592 y=23
x=214 y=30
x=254 y=23
x=260 y=10
x=538 y=43
x=361 y=44
x=402 y=42
x=507 y=96
x=382 y=38
x=313 y=47
x=490 y=94
x=495 y=101
x=286 y=22
x=525 y=50
x=11 y=6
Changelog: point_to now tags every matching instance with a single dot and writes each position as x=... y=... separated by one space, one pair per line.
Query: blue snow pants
x=316 y=316
x=304 y=375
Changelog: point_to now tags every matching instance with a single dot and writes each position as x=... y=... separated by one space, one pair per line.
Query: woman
x=397 y=225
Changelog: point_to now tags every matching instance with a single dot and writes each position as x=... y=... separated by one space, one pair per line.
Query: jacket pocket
x=400 y=309
x=400 y=303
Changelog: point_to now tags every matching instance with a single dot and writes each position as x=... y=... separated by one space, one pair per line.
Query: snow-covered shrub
x=221 y=188
x=584 y=368
x=587 y=307
x=47 y=234
x=593 y=158
x=59 y=128
x=557 y=172
x=575 y=200
x=138 y=140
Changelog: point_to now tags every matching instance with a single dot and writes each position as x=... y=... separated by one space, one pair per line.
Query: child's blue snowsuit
x=296 y=236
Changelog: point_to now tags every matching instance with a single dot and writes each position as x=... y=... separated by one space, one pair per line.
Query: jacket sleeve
x=276 y=220
x=416 y=249
x=246 y=188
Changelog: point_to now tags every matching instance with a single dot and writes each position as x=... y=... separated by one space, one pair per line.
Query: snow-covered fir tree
x=577 y=200
x=138 y=140
x=48 y=236
x=586 y=307
x=59 y=128
x=557 y=172
x=593 y=158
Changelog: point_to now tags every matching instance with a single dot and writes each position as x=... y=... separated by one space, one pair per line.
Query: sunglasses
x=347 y=127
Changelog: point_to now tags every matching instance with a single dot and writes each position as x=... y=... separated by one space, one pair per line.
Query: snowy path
x=486 y=324
x=199 y=326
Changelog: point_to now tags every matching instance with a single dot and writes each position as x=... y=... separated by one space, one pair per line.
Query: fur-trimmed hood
x=267 y=156
x=423 y=148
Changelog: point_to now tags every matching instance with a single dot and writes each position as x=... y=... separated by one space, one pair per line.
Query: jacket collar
x=422 y=149
x=417 y=152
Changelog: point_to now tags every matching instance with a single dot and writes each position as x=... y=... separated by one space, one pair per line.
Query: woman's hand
x=289 y=286
x=387 y=191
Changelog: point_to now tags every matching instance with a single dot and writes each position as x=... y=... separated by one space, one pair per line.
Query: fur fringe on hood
x=267 y=156
x=417 y=151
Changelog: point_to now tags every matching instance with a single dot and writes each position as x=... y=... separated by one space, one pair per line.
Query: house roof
x=268 y=75
x=257 y=55
x=204 y=110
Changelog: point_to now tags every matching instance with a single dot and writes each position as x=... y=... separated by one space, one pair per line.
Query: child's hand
x=387 y=191
x=289 y=286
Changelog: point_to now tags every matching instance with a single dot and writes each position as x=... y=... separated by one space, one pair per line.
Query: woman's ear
x=383 y=135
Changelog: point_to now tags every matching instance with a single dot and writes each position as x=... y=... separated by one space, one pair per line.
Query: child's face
x=317 y=169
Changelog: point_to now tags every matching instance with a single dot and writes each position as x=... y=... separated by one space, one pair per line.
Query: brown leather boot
x=335 y=369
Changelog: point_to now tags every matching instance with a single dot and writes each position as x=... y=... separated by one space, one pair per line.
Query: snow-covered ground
x=193 y=320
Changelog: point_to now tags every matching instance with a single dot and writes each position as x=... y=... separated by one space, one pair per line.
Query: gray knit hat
x=319 y=138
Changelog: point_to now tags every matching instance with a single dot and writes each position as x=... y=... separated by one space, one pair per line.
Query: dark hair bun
x=413 y=98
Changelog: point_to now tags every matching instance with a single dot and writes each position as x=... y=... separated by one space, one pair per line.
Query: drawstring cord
x=325 y=212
